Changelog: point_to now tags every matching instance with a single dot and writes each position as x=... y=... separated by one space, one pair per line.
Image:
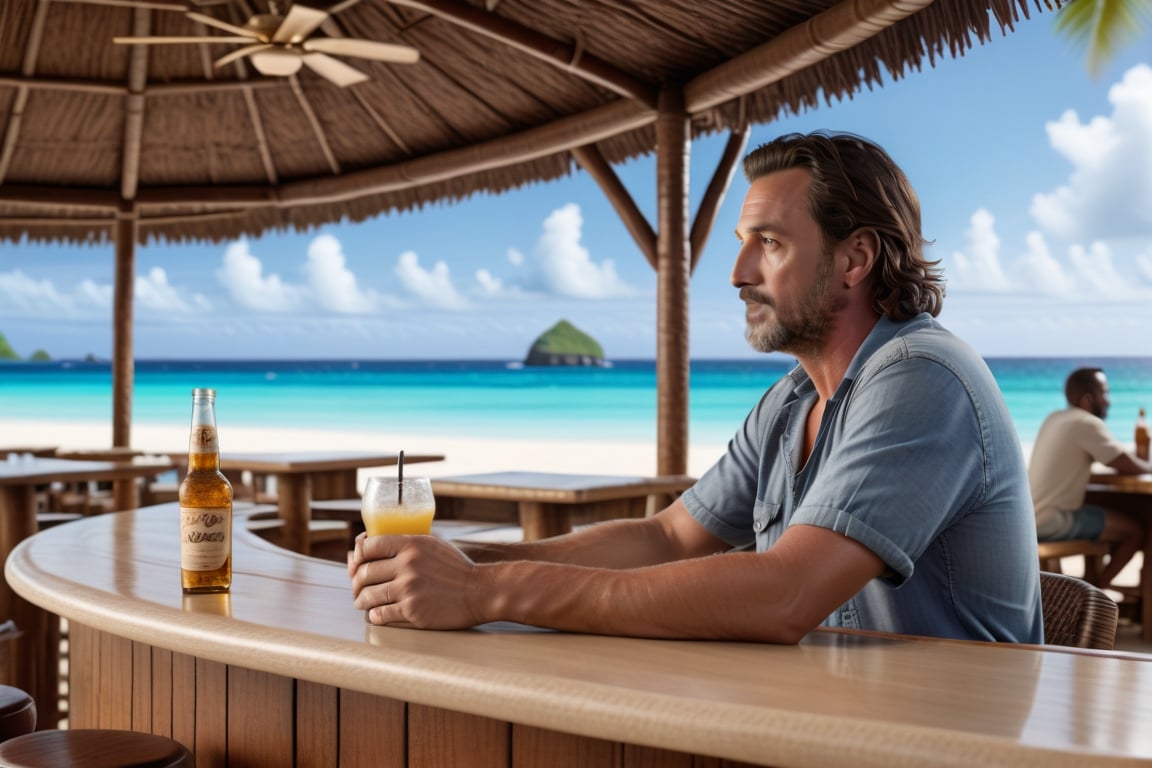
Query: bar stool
x=96 y=748
x=21 y=746
x=17 y=713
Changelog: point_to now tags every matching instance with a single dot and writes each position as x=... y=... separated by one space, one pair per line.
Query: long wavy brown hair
x=856 y=185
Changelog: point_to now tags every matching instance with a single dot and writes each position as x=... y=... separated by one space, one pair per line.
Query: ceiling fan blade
x=333 y=69
x=213 y=22
x=299 y=22
x=188 y=39
x=240 y=53
x=342 y=6
x=364 y=49
x=152 y=5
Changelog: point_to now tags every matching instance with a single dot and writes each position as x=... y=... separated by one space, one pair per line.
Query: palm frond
x=1103 y=27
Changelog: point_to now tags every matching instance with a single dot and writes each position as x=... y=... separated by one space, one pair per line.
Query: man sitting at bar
x=879 y=485
x=1068 y=442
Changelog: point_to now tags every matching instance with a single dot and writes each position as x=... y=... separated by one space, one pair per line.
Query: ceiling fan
x=278 y=45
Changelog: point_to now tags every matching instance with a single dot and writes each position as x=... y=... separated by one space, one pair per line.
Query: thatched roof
x=503 y=92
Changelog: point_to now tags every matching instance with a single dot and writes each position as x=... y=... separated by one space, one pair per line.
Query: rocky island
x=565 y=344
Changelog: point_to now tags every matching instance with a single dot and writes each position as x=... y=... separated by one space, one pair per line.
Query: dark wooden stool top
x=17 y=713
x=96 y=748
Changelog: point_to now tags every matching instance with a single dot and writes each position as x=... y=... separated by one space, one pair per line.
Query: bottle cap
x=200 y=392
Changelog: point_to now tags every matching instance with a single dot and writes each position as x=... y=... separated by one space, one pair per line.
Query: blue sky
x=1035 y=180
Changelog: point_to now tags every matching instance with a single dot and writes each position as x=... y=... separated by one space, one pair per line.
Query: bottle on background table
x=1142 y=436
x=205 y=505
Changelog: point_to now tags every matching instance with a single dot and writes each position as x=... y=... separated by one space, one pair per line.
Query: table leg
x=294 y=494
x=334 y=484
x=1146 y=584
x=543 y=521
x=32 y=660
x=126 y=493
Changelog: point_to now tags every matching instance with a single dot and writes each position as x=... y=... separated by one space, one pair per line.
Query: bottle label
x=205 y=537
x=203 y=439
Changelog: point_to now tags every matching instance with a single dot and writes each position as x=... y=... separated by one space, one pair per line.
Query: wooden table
x=284 y=666
x=1132 y=493
x=125 y=492
x=33 y=658
x=33 y=450
x=302 y=476
x=547 y=501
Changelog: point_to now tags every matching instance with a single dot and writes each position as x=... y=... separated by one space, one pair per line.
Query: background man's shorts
x=1087 y=523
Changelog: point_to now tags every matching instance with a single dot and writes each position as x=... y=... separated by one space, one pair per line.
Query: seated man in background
x=879 y=485
x=1068 y=442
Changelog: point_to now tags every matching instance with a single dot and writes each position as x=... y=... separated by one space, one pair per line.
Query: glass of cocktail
x=393 y=505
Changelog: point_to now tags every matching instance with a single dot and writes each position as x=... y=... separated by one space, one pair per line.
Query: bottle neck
x=203 y=440
x=203 y=462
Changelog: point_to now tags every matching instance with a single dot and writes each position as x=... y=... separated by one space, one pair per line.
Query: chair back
x=1076 y=613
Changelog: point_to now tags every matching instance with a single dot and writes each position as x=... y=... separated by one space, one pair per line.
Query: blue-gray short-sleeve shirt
x=916 y=459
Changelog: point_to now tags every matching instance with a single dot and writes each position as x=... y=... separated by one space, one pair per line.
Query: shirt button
x=759 y=524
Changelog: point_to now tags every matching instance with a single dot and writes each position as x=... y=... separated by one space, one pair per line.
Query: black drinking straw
x=400 y=479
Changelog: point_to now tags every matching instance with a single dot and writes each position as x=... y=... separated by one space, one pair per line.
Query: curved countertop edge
x=738 y=731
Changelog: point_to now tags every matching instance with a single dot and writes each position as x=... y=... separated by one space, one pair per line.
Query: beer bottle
x=205 y=505
x=1141 y=436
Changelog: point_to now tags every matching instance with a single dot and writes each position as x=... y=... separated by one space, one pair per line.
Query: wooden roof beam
x=134 y=108
x=592 y=161
x=560 y=136
x=714 y=195
x=155 y=89
x=837 y=29
x=559 y=54
x=28 y=69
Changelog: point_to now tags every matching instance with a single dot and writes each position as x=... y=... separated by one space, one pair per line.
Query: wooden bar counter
x=284 y=671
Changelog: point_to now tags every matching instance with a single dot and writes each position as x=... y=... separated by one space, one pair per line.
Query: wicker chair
x=1076 y=613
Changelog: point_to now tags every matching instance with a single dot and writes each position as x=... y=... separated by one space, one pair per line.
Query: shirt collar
x=883 y=332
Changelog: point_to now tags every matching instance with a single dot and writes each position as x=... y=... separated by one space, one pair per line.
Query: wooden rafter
x=840 y=27
x=317 y=129
x=714 y=195
x=592 y=161
x=134 y=109
x=559 y=54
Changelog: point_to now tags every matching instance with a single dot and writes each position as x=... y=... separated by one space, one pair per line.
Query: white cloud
x=432 y=287
x=23 y=295
x=242 y=274
x=566 y=267
x=1096 y=273
x=1144 y=265
x=1109 y=192
x=1040 y=270
x=489 y=285
x=332 y=283
x=154 y=292
x=977 y=267
x=515 y=258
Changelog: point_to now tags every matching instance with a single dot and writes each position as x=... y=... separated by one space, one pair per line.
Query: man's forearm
x=604 y=545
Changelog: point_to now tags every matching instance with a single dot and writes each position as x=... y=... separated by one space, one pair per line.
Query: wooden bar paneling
x=212 y=714
x=439 y=737
x=648 y=757
x=142 y=687
x=534 y=747
x=372 y=731
x=114 y=667
x=162 y=691
x=261 y=718
x=317 y=715
x=82 y=687
x=184 y=699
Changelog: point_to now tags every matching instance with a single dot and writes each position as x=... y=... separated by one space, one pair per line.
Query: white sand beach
x=462 y=455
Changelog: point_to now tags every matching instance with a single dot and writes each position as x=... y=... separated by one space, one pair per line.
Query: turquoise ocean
x=485 y=398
